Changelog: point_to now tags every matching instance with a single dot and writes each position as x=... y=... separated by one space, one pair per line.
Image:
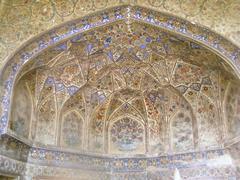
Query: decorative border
x=224 y=48
x=28 y=170
x=117 y=164
x=10 y=148
x=11 y=166
x=43 y=162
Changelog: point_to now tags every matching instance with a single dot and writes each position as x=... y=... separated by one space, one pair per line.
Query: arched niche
x=182 y=138
x=46 y=125
x=232 y=109
x=71 y=132
x=100 y=57
x=96 y=130
x=126 y=136
x=171 y=120
x=22 y=109
x=121 y=102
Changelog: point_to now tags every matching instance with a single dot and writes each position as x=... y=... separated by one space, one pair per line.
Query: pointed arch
x=126 y=135
x=72 y=130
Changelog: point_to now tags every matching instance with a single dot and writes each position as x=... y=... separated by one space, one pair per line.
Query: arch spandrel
x=134 y=51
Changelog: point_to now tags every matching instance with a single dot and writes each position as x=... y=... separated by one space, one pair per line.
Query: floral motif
x=127 y=134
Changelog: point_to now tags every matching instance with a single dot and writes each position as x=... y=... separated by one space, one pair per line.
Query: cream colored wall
x=20 y=20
